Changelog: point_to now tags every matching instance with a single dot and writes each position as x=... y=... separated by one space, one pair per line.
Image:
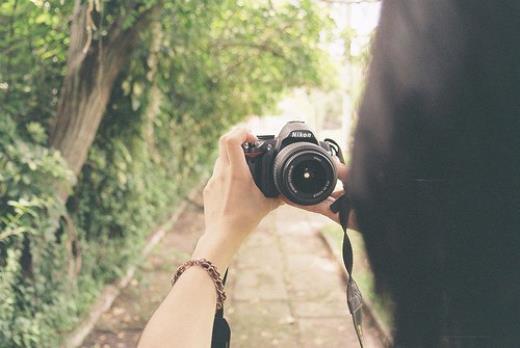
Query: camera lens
x=308 y=177
x=304 y=173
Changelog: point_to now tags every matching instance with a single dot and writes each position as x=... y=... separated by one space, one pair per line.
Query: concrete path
x=285 y=289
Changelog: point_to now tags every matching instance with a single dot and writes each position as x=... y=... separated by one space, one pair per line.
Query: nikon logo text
x=301 y=135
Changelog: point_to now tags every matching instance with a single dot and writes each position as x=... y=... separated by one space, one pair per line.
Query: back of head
x=436 y=170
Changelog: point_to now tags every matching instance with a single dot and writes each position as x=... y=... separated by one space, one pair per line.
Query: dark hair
x=435 y=175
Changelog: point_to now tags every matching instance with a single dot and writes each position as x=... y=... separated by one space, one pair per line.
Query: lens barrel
x=304 y=173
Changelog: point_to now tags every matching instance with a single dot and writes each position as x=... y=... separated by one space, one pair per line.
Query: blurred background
x=110 y=113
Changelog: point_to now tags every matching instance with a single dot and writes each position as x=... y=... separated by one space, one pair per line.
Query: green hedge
x=217 y=62
x=120 y=196
x=32 y=286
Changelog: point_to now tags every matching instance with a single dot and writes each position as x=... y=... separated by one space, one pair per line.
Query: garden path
x=285 y=289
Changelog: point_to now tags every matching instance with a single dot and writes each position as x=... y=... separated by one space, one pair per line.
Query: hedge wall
x=199 y=67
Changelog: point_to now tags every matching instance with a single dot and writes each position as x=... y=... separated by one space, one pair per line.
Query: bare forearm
x=185 y=317
x=232 y=209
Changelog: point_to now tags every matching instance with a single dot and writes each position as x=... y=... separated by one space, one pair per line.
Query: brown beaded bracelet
x=213 y=273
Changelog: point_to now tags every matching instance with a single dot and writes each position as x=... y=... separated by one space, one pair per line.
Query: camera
x=294 y=164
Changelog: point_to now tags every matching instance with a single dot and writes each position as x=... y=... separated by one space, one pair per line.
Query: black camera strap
x=354 y=299
x=342 y=206
x=221 y=336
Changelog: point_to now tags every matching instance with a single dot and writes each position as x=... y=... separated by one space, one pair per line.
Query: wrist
x=218 y=250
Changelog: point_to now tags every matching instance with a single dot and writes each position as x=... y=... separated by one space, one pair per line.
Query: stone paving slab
x=284 y=287
x=326 y=332
x=254 y=324
x=312 y=278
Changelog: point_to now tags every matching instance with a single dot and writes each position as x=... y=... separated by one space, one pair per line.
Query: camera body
x=294 y=163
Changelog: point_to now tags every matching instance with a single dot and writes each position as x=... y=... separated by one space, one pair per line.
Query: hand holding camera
x=233 y=205
x=254 y=175
x=296 y=166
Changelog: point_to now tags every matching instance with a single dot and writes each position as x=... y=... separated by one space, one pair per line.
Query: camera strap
x=221 y=335
x=342 y=206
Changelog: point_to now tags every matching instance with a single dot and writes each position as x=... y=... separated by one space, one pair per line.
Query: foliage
x=33 y=48
x=200 y=66
x=29 y=209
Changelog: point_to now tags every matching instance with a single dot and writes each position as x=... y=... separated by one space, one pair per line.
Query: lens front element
x=308 y=176
x=304 y=173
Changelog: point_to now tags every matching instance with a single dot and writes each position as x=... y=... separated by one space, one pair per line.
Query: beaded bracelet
x=213 y=273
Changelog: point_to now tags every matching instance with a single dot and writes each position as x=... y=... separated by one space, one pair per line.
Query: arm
x=233 y=207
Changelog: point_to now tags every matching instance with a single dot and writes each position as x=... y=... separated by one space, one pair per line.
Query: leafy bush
x=29 y=206
x=199 y=67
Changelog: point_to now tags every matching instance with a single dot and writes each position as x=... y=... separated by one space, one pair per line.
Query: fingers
x=342 y=170
x=231 y=143
x=222 y=151
x=219 y=165
x=231 y=155
x=337 y=194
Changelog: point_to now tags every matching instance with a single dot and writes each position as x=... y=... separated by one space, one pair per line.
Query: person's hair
x=435 y=176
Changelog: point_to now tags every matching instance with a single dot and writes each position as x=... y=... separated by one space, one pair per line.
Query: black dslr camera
x=294 y=164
